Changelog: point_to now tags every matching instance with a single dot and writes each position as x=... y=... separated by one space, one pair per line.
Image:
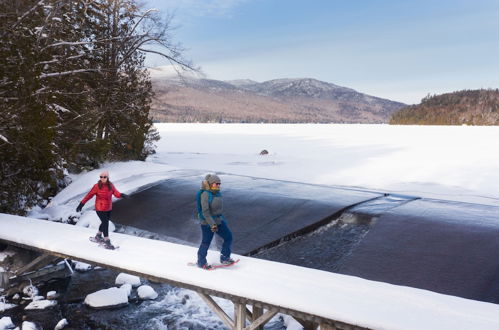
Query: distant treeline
x=73 y=92
x=467 y=107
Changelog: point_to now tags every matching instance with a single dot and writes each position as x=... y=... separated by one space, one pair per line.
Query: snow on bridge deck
x=325 y=295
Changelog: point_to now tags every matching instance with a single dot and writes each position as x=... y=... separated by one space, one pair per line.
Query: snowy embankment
x=338 y=297
x=128 y=177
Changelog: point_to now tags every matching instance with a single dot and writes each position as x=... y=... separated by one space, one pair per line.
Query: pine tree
x=73 y=91
x=30 y=160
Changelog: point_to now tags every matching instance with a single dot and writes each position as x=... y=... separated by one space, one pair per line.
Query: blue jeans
x=224 y=232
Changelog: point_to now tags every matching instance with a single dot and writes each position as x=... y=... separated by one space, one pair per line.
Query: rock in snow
x=127 y=287
x=61 y=324
x=30 y=290
x=4 y=306
x=112 y=297
x=41 y=304
x=123 y=278
x=29 y=326
x=52 y=295
x=81 y=266
x=6 y=323
x=146 y=292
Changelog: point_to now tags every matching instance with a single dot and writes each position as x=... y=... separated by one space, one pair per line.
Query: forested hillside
x=303 y=100
x=73 y=91
x=467 y=107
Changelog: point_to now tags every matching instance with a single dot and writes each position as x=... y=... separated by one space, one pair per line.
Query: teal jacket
x=210 y=207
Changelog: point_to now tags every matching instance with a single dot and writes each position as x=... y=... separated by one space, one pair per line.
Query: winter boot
x=107 y=244
x=98 y=237
x=205 y=266
x=226 y=261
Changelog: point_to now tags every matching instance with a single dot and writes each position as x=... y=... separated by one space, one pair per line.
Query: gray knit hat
x=212 y=178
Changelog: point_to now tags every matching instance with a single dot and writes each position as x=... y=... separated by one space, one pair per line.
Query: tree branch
x=27 y=13
x=65 y=73
x=184 y=65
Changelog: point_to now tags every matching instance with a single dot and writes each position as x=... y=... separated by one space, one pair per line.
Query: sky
x=395 y=49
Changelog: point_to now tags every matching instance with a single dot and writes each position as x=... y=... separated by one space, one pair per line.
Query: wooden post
x=327 y=326
x=240 y=311
x=257 y=312
x=307 y=325
x=4 y=280
x=219 y=311
x=263 y=319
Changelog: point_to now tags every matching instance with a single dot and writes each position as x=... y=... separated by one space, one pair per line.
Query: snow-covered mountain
x=306 y=87
x=280 y=100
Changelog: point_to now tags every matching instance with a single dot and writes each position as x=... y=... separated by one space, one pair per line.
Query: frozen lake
x=447 y=162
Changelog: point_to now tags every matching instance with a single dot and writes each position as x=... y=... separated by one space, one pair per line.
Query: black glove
x=80 y=206
x=214 y=228
x=125 y=196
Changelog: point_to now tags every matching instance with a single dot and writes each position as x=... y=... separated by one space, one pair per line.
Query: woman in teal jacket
x=209 y=201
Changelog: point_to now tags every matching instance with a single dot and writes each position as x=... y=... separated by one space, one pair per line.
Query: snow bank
x=6 y=323
x=111 y=297
x=41 y=304
x=127 y=287
x=5 y=306
x=82 y=266
x=61 y=324
x=29 y=326
x=51 y=295
x=146 y=292
x=123 y=278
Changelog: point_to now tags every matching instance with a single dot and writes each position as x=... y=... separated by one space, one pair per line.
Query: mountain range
x=302 y=100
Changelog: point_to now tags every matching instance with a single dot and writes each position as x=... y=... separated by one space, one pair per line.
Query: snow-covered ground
x=455 y=163
x=446 y=162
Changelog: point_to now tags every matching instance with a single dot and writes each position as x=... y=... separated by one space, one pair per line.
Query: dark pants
x=224 y=232
x=104 y=217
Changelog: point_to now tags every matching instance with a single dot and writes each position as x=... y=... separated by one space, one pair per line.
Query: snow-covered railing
x=312 y=296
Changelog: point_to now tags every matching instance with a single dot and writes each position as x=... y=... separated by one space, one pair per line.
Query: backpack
x=198 y=202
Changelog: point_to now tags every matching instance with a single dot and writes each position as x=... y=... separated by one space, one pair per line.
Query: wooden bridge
x=313 y=297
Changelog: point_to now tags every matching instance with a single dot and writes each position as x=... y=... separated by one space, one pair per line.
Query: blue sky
x=400 y=50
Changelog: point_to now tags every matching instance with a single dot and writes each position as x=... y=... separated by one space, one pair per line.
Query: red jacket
x=104 y=197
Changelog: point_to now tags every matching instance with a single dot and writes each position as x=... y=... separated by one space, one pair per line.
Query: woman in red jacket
x=103 y=191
